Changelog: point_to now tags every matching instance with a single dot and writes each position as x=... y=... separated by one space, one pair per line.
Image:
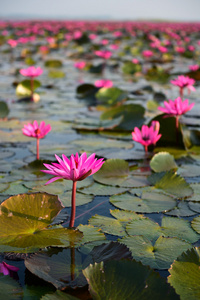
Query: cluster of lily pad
x=102 y=87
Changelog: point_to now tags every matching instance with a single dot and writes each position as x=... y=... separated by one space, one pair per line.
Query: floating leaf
x=53 y=63
x=63 y=268
x=133 y=115
x=24 y=222
x=101 y=190
x=170 y=136
x=4 y=110
x=171 y=183
x=24 y=87
x=58 y=295
x=145 y=202
x=189 y=170
x=183 y=209
x=108 y=225
x=163 y=161
x=10 y=288
x=90 y=234
x=130 y=68
x=126 y=280
x=110 y=96
x=81 y=199
x=86 y=90
x=196 y=224
x=185 y=275
x=56 y=74
x=161 y=255
x=116 y=172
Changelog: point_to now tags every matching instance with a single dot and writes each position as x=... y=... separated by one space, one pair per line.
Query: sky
x=172 y=10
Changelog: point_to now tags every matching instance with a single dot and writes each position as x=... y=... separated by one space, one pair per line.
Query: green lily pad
x=15 y=188
x=170 y=227
x=81 y=199
x=133 y=115
x=24 y=87
x=194 y=206
x=53 y=63
x=10 y=288
x=90 y=234
x=115 y=172
x=97 y=125
x=170 y=136
x=63 y=268
x=196 y=195
x=185 y=275
x=29 y=217
x=58 y=295
x=101 y=190
x=130 y=68
x=145 y=202
x=56 y=74
x=163 y=161
x=126 y=280
x=86 y=91
x=183 y=209
x=110 y=96
x=196 y=224
x=189 y=170
x=158 y=256
x=108 y=225
x=4 y=110
x=171 y=183
x=35 y=291
x=125 y=216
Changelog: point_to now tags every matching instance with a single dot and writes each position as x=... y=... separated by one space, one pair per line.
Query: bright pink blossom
x=147 y=53
x=31 y=72
x=12 y=43
x=177 y=107
x=76 y=168
x=194 y=67
x=147 y=135
x=7 y=269
x=135 y=61
x=114 y=46
x=103 y=83
x=92 y=36
x=37 y=131
x=80 y=65
x=162 y=49
x=184 y=82
x=103 y=53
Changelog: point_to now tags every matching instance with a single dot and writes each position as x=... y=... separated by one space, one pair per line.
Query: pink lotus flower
x=114 y=46
x=162 y=49
x=103 y=53
x=36 y=131
x=92 y=36
x=180 y=49
x=184 y=82
x=7 y=269
x=76 y=169
x=103 y=83
x=191 y=48
x=135 y=61
x=12 y=43
x=147 y=135
x=104 y=42
x=176 y=108
x=31 y=72
x=80 y=65
x=194 y=67
x=147 y=53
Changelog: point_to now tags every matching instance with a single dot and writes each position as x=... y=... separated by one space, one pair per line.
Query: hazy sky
x=180 y=10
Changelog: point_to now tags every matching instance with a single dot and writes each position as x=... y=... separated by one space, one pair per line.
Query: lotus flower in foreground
x=76 y=169
x=37 y=131
x=147 y=135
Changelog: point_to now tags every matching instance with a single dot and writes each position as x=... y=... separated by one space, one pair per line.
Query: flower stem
x=73 y=205
x=146 y=149
x=37 y=150
x=72 y=266
x=32 y=86
x=181 y=93
x=177 y=123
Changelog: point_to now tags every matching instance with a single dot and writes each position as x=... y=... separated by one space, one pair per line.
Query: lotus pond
x=137 y=225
